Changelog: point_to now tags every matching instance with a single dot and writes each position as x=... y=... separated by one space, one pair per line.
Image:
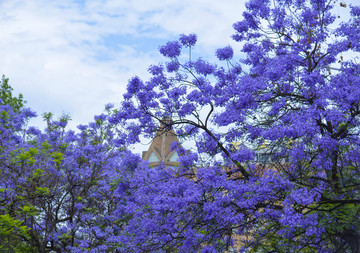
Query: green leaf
x=28 y=210
x=42 y=190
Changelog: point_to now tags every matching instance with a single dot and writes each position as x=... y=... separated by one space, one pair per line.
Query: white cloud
x=74 y=56
x=54 y=52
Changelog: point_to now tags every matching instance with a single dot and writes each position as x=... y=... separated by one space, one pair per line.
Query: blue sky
x=74 y=57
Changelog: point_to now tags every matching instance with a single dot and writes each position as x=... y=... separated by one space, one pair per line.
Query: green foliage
x=37 y=174
x=28 y=156
x=4 y=115
x=42 y=190
x=114 y=184
x=65 y=237
x=6 y=95
x=28 y=210
x=11 y=234
x=57 y=157
x=8 y=225
x=339 y=216
x=45 y=146
x=47 y=116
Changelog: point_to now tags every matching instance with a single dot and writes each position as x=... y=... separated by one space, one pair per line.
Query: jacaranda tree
x=293 y=98
x=275 y=164
x=57 y=186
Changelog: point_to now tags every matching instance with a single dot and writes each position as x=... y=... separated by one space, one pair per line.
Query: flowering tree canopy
x=276 y=164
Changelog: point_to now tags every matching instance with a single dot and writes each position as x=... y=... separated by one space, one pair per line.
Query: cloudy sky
x=75 y=56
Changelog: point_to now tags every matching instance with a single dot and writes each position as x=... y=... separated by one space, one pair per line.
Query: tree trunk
x=352 y=238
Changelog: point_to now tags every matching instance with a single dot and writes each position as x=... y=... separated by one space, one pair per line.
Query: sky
x=75 y=56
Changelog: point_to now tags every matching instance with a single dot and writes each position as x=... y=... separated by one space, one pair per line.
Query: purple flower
x=109 y=106
x=34 y=131
x=355 y=11
x=186 y=109
x=61 y=123
x=82 y=127
x=203 y=67
x=171 y=49
x=134 y=85
x=172 y=66
x=100 y=117
x=241 y=26
x=156 y=70
x=27 y=112
x=225 y=53
x=188 y=40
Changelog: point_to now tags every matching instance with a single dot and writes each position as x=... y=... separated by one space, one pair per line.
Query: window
x=174 y=157
x=153 y=158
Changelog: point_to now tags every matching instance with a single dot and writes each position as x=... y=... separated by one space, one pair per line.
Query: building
x=160 y=148
x=160 y=152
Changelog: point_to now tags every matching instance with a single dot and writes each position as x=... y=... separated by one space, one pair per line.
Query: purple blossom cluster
x=172 y=49
x=188 y=40
x=225 y=53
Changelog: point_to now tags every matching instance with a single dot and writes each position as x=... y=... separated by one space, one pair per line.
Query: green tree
x=12 y=230
x=7 y=97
